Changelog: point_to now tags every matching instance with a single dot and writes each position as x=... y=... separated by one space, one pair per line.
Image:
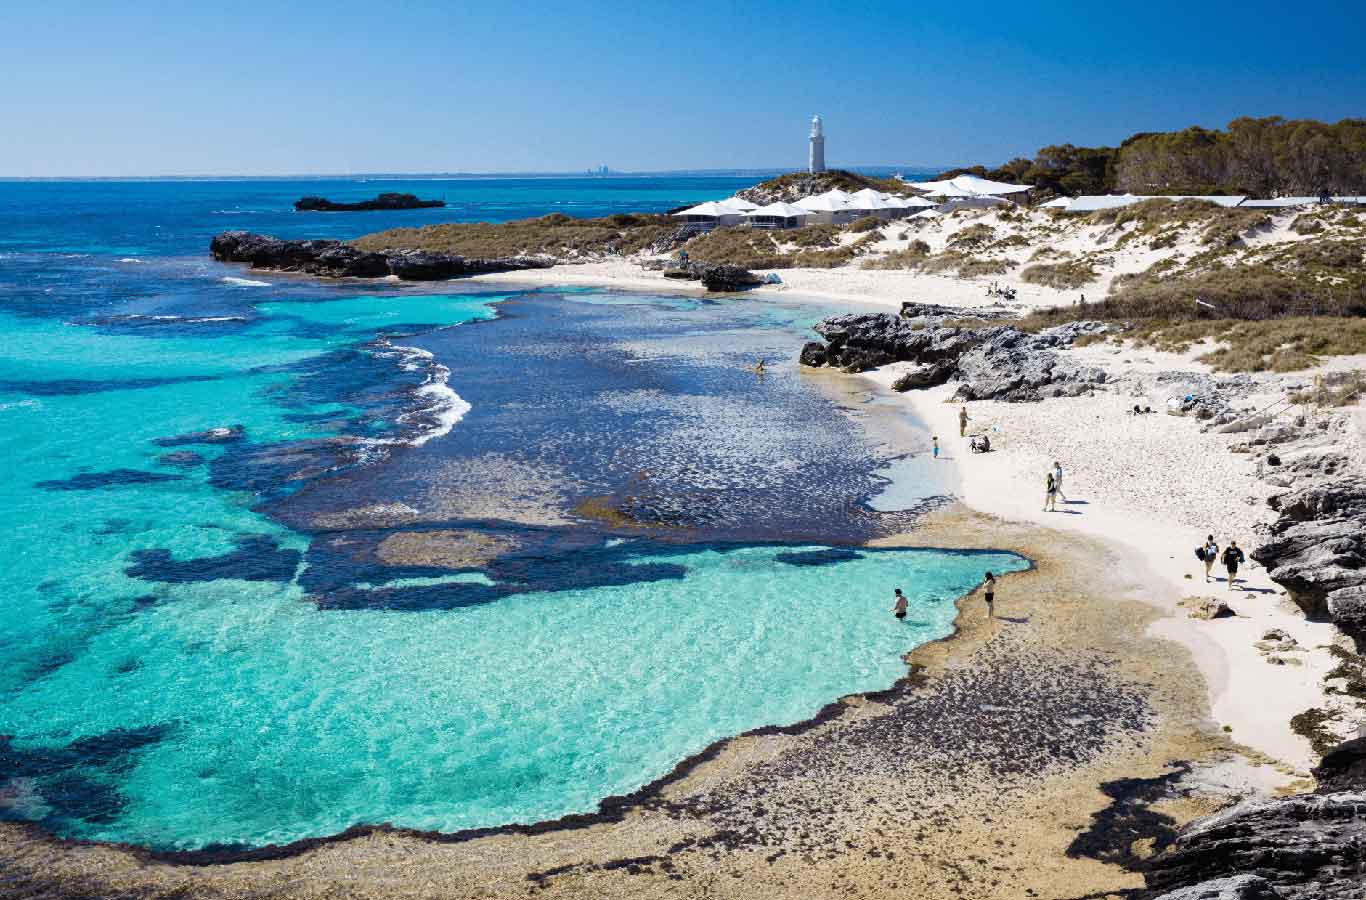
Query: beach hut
x=706 y=216
x=738 y=203
x=777 y=215
x=869 y=202
x=968 y=186
x=1058 y=203
x=827 y=209
x=927 y=214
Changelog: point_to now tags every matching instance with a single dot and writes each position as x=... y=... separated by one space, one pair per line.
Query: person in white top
x=1057 y=480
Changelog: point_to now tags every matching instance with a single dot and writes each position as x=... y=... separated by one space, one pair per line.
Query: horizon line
x=574 y=173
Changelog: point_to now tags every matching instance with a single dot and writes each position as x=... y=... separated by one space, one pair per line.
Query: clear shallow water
x=190 y=658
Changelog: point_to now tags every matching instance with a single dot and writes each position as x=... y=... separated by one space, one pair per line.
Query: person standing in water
x=1057 y=481
x=1050 y=496
x=963 y=420
x=1233 y=558
x=990 y=585
x=1211 y=551
x=936 y=446
x=899 y=607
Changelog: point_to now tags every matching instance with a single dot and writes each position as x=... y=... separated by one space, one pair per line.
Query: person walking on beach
x=1057 y=481
x=990 y=585
x=1210 y=555
x=963 y=420
x=936 y=446
x=899 y=607
x=1050 y=496
x=1233 y=557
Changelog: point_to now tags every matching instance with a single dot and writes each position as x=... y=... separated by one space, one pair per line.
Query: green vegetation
x=867 y=223
x=555 y=235
x=795 y=185
x=973 y=237
x=909 y=258
x=1260 y=157
x=1311 y=725
x=817 y=247
x=1063 y=276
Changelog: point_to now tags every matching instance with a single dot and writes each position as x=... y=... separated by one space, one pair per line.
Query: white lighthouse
x=816 y=162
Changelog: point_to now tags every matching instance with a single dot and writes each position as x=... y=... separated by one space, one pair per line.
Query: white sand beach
x=1151 y=487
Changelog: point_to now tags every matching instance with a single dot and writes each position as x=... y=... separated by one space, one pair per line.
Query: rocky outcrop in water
x=336 y=259
x=1302 y=847
x=996 y=363
x=389 y=200
x=1317 y=550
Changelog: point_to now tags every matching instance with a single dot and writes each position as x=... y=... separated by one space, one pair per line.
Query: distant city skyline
x=103 y=89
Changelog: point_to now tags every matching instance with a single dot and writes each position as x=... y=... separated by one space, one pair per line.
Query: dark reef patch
x=89 y=481
x=257 y=558
x=76 y=781
x=223 y=435
x=181 y=459
x=67 y=387
x=818 y=557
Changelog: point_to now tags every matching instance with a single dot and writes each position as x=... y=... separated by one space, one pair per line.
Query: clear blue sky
x=297 y=86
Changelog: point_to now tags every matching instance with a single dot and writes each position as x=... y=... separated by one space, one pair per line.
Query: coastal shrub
x=972 y=237
x=1062 y=276
x=1306 y=224
x=555 y=234
x=1011 y=241
x=966 y=265
x=750 y=248
x=911 y=257
x=794 y=186
x=1230 y=226
x=810 y=236
x=867 y=223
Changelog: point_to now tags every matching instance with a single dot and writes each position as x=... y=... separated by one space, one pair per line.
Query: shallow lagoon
x=191 y=658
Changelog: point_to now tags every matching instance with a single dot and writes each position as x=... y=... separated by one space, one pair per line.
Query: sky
x=299 y=87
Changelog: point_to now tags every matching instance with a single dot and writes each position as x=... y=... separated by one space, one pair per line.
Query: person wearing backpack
x=1233 y=557
x=1208 y=553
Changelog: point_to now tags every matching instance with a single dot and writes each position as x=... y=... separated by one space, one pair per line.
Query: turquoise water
x=187 y=662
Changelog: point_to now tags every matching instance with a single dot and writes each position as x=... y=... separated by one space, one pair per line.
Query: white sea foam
x=443 y=407
x=183 y=320
x=130 y=259
x=244 y=282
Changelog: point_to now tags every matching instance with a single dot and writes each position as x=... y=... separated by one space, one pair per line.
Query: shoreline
x=1114 y=722
x=1253 y=698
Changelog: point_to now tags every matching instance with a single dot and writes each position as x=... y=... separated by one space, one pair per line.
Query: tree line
x=1264 y=157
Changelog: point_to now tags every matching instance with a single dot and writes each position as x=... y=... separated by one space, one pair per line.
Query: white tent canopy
x=709 y=210
x=738 y=203
x=823 y=203
x=778 y=210
x=927 y=214
x=967 y=186
x=1058 y=203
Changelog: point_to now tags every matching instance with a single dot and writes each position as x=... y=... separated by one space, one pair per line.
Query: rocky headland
x=385 y=201
x=337 y=259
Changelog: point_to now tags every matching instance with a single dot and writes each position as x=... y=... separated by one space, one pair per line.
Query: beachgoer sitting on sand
x=979 y=443
x=1233 y=557
x=899 y=607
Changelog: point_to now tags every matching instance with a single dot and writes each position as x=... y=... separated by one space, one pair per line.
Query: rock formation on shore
x=996 y=363
x=1317 y=551
x=1301 y=847
x=717 y=277
x=338 y=259
x=383 y=201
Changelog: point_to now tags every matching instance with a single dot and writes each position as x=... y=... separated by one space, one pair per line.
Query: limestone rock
x=1317 y=550
x=339 y=260
x=1238 y=887
x=1207 y=608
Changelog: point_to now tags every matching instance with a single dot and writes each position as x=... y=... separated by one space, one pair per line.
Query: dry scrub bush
x=555 y=234
x=1062 y=276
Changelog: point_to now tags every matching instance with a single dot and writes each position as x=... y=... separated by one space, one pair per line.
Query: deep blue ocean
x=286 y=555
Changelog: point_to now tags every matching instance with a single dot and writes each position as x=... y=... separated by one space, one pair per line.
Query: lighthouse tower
x=816 y=161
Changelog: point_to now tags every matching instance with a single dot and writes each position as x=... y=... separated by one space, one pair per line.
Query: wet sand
x=1018 y=758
